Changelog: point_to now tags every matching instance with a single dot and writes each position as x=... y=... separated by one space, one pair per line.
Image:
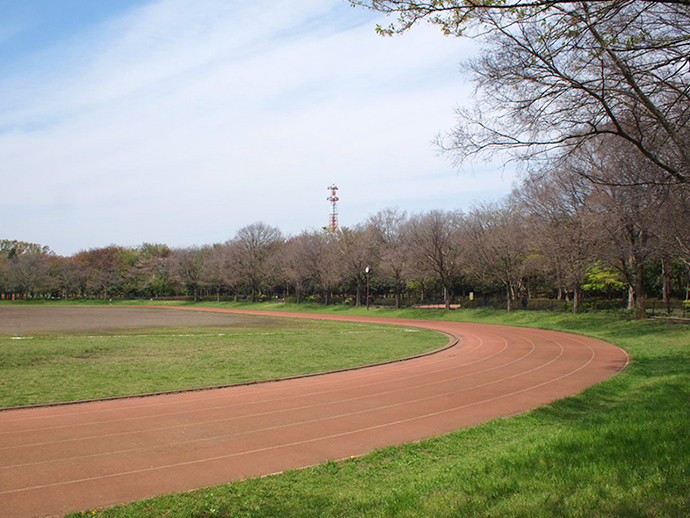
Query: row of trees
x=592 y=96
x=559 y=234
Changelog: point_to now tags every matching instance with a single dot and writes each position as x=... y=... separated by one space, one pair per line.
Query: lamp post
x=367 y=270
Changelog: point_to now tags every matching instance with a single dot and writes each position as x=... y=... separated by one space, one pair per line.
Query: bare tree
x=24 y=266
x=555 y=74
x=215 y=269
x=455 y=16
x=560 y=228
x=314 y=258
x=105 y=268
x=436 y=245
x=69 y=277
x=186 y=266
x=255 y=244
x=233 y=273
x=500 y=246
x=675 y=223
x=222 y=268
x=3 y=274
x=27 y=273
x=294 y=265
x=626 y=216
x=388 y=229
x=355 y=246
x=149 y=273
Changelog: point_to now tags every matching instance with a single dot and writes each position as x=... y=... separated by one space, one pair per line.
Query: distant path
x=71 y=458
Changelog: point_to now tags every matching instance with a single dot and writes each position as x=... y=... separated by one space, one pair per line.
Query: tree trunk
x=509 y=300
x=666 y=283
x=631 y=297
x=640 y=296
x=576 y=299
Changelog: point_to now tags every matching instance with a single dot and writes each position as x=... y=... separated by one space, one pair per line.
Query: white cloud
x=181 y=122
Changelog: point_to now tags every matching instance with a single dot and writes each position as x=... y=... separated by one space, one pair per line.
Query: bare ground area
x=27 y=320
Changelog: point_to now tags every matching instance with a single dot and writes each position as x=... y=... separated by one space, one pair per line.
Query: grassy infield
x=621 y=448
x=68 y=367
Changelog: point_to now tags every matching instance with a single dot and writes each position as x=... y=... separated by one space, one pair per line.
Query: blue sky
x=181 y=121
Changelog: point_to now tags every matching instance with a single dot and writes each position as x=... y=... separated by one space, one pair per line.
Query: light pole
x=367 y=270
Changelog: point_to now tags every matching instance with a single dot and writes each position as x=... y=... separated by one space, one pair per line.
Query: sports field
x=67 y=353
x=619 y=449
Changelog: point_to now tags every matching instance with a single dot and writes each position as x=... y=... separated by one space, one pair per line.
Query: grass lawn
x=46 y=367
x=619 y=449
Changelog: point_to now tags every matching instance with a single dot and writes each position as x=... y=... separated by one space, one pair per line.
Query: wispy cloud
x=182 y=121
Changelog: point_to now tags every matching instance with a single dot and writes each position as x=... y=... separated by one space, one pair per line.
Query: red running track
x=56 y=460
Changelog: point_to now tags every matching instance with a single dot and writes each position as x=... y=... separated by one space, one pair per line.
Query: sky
x=182 y=121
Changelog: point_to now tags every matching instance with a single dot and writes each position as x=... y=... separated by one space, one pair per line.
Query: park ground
x=620 y=448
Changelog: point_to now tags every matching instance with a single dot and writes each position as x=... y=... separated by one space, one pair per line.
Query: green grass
x=67 y=367
x=619 y=449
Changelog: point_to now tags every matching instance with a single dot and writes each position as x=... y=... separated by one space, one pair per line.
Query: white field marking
x=263 y=333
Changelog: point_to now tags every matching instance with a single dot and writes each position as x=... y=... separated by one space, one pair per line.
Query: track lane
x=61 y=459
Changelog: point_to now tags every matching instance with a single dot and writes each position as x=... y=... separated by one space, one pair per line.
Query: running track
x=56 y=460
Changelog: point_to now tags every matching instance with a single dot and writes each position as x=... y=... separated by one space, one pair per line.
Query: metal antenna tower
x=333 y=220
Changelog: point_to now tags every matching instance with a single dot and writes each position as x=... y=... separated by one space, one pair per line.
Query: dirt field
x=28 y=320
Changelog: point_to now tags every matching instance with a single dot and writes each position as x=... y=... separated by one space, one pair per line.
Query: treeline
x=594 y=97
x=559 y=235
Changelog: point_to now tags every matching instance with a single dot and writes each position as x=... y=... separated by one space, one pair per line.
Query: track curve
x=60 y=459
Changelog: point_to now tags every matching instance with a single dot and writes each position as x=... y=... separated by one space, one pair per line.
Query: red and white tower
x=333 y=220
